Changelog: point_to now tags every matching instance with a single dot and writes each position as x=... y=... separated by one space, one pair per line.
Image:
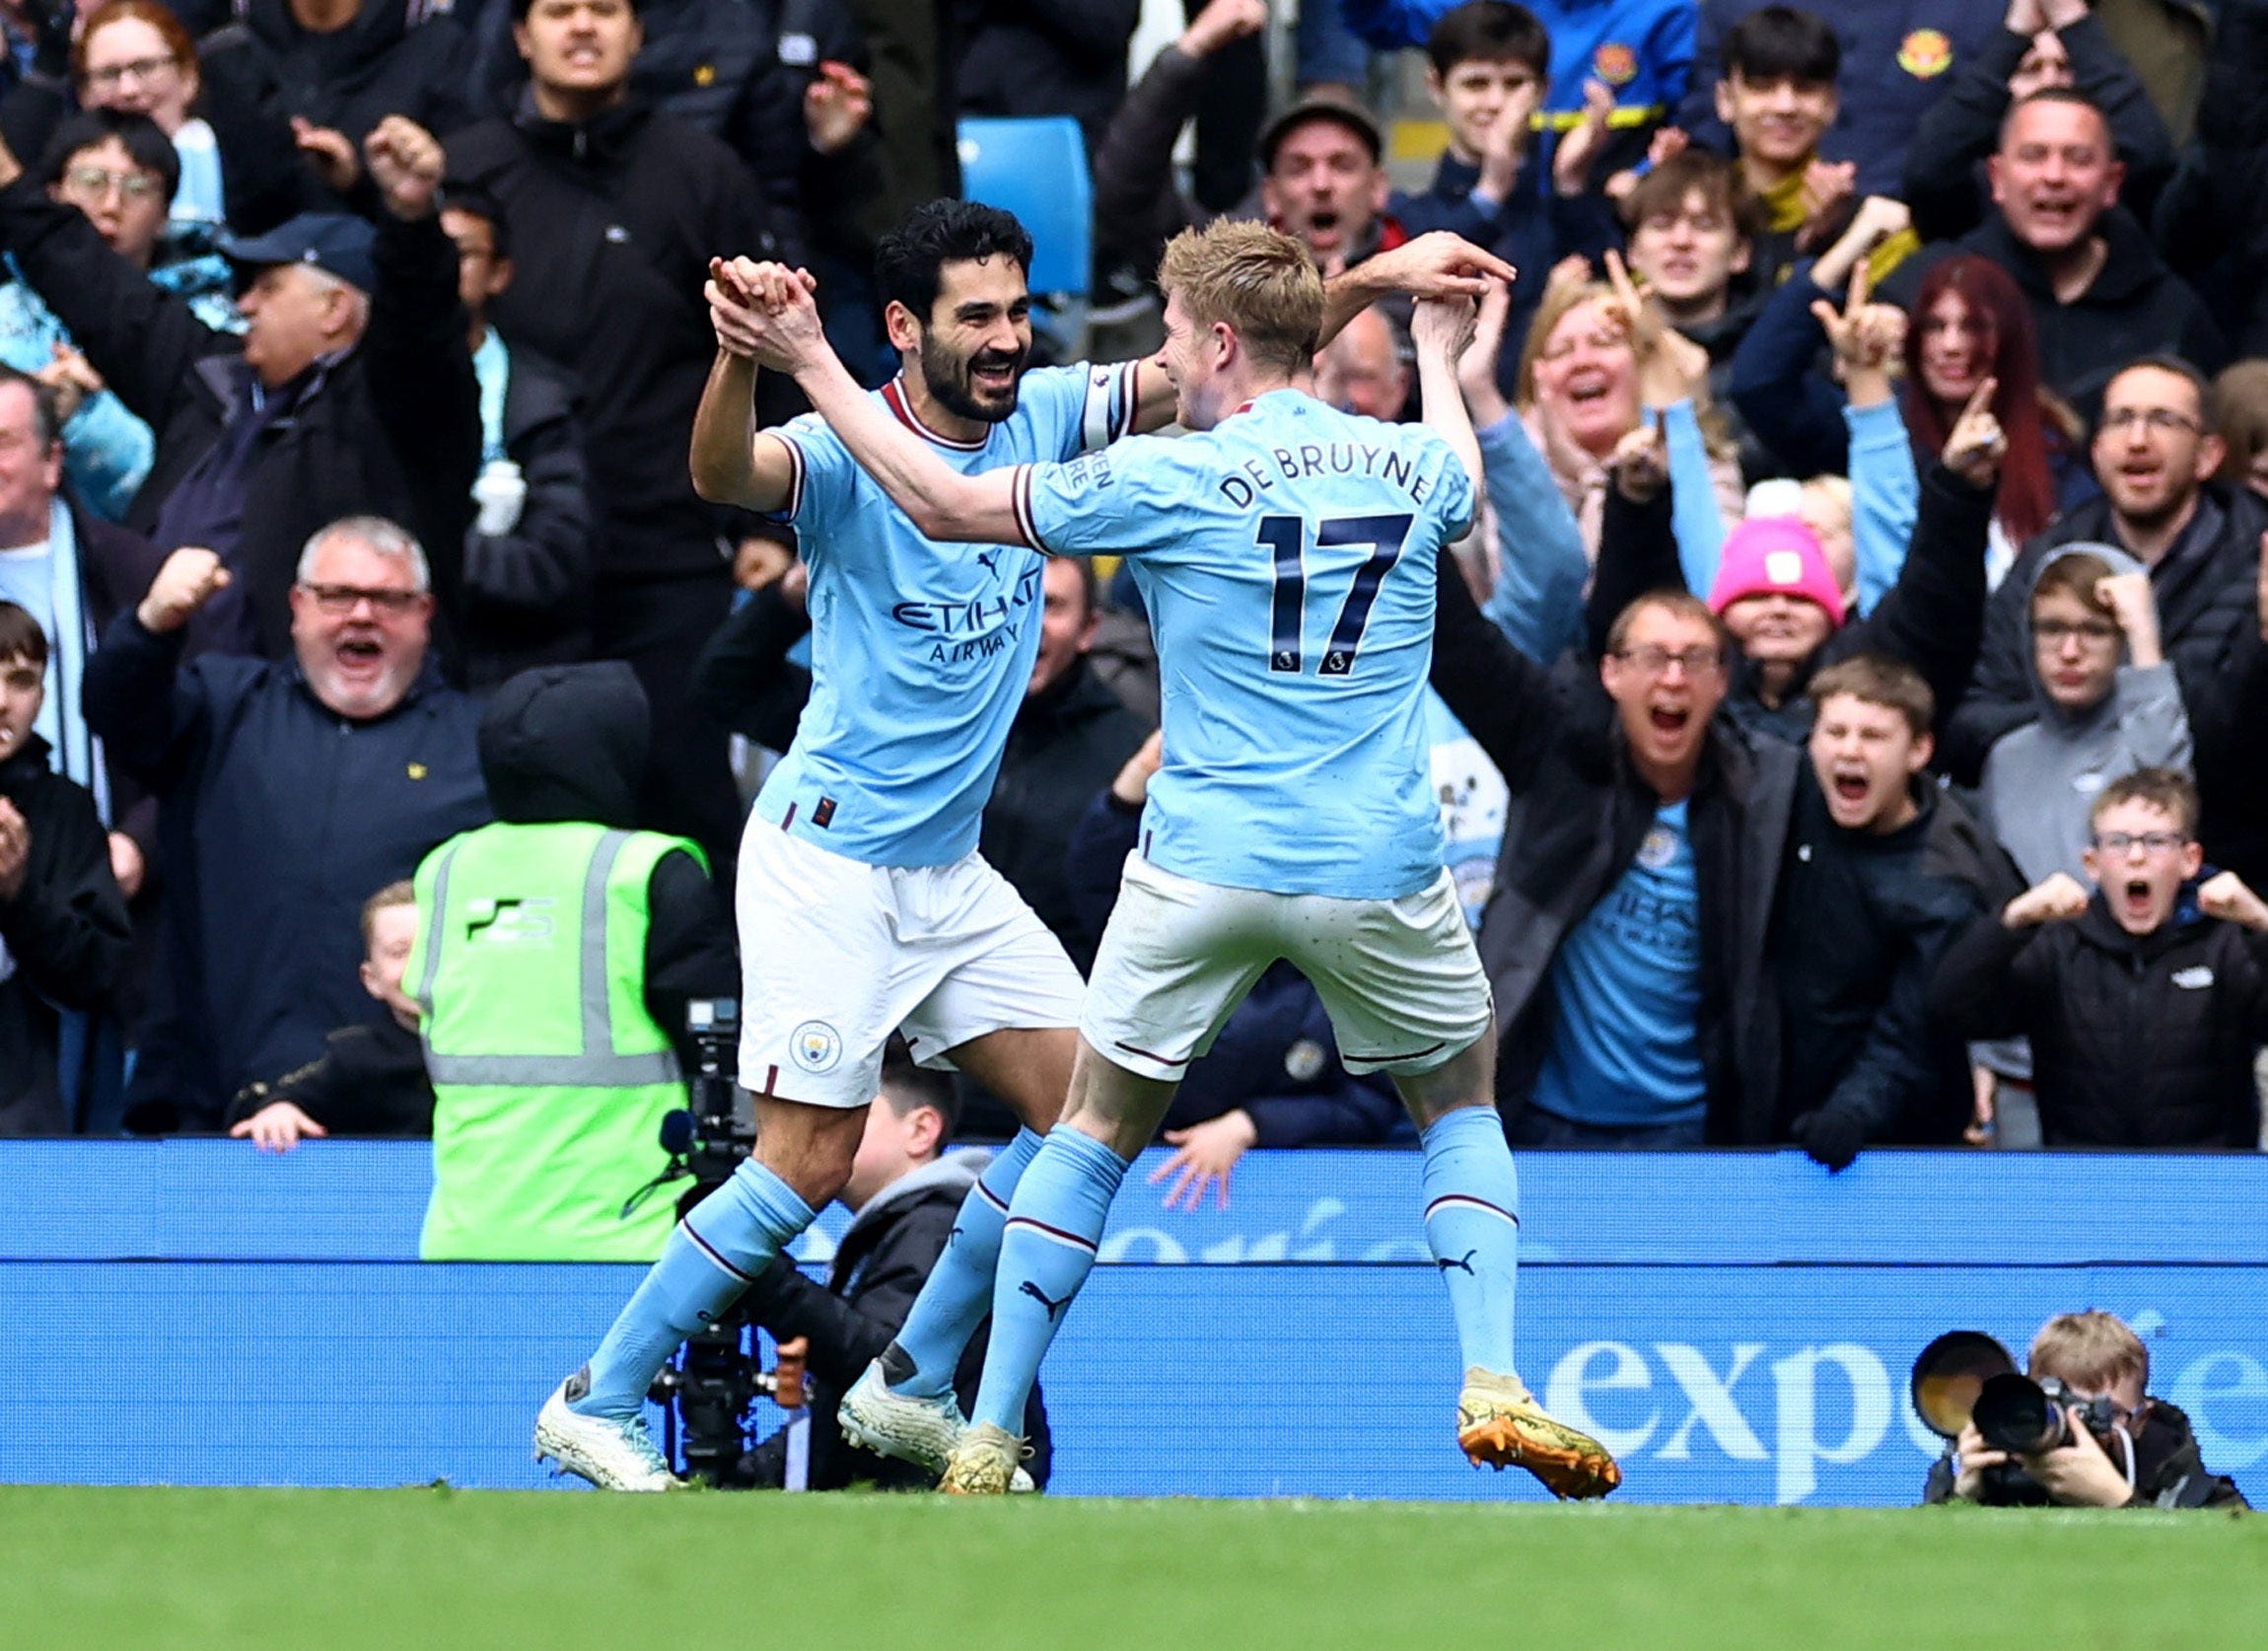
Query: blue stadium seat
x=1037 y=168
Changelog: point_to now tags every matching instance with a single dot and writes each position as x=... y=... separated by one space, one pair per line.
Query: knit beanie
x=1771 y=553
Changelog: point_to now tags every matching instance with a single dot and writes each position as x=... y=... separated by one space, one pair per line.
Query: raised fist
x=183 y=585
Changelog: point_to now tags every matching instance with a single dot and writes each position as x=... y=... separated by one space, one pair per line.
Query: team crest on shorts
x=1614 y=63
x=1659 y=848
x=815 y=1047
x=1926 y=53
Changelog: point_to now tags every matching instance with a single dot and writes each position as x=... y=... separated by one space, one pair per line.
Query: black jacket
x=280 y=819
x=2136 y=1040
x=394 y=57
x=1577 y=817
x=2205 y=585
x=568 y=742
x=1858 y=930
x=64 y=937
x=614 y=223
x=880 y=1266
x=736 y=70
x=743 y=679
x=2169 y=1471
x=2136 y=306
x=1275 y=1058
x=1945 y=181
x=390 y=427
x=369 y=1082
x=527 y=592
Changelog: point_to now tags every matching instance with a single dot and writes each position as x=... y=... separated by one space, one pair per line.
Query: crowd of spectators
x=1844 y=708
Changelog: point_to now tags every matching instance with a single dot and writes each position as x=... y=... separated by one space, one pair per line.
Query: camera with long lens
x=1966 y=1378
x=707 y=1396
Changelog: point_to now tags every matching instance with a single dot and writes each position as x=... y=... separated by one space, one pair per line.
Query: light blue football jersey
x=1287 y=559
x=920 y=651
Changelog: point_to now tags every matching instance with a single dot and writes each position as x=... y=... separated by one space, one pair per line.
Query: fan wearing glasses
x=2144 y=998
x=119 y=172
x=2197 y=540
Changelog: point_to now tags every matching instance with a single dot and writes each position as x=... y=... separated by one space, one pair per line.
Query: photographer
x=2144 y=1455
x=905 y=1198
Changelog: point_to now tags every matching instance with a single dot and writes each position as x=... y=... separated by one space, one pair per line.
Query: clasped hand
x=764 y=311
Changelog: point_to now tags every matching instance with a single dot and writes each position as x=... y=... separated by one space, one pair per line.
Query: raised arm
x=732 y=461
x=1436 y=265
x=1441 y=331
x=766 y=312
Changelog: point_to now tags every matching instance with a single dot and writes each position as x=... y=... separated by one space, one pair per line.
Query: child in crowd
x=63 y=930
x=1489 y=70
x=2145 y=1005
x=2109 y=704
x=371 y=1080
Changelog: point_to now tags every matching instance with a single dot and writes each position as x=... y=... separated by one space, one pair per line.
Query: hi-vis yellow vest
x=549 y=1077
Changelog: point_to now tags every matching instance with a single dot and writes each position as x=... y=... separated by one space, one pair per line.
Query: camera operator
x=905 y=1198
x=2141 y=1454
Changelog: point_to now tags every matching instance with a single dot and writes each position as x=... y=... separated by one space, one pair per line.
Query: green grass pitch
x=412 y=1569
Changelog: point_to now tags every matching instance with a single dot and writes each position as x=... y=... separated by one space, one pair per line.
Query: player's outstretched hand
x=1205 y=1155
x=1437 y=264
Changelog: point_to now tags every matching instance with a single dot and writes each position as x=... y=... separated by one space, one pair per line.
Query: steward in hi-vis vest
x=556 y=952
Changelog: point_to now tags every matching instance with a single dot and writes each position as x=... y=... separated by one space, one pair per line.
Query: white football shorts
x=1399 y=978
x=836 y=955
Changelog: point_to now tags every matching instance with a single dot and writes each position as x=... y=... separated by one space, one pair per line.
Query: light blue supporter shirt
x=1286 y=558
x=1625 y=1049
x=920 y=651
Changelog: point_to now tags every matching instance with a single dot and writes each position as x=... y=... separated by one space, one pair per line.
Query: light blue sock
x=958 y=1292
x=710 y=1258
x=1472 y=1223
x=1048 y=1245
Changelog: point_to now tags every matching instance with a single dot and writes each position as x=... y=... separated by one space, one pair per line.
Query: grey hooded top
x=2040 y=780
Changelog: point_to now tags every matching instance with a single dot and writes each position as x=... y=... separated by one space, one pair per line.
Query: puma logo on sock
x=1027 y=1288
x=1445 y=1262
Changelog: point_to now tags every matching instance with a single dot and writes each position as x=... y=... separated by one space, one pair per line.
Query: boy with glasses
x=2197 y=540
x=2145 y=1001
x=2108 y=703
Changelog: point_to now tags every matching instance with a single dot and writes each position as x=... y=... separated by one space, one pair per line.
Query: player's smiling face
x=973 y=346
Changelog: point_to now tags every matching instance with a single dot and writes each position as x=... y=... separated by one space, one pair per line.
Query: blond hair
x=1254 y=279
x=403 y=892
x=1562 y=298
x=2093 y=1349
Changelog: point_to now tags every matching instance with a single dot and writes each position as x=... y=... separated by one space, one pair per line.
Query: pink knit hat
x=1767 y=554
